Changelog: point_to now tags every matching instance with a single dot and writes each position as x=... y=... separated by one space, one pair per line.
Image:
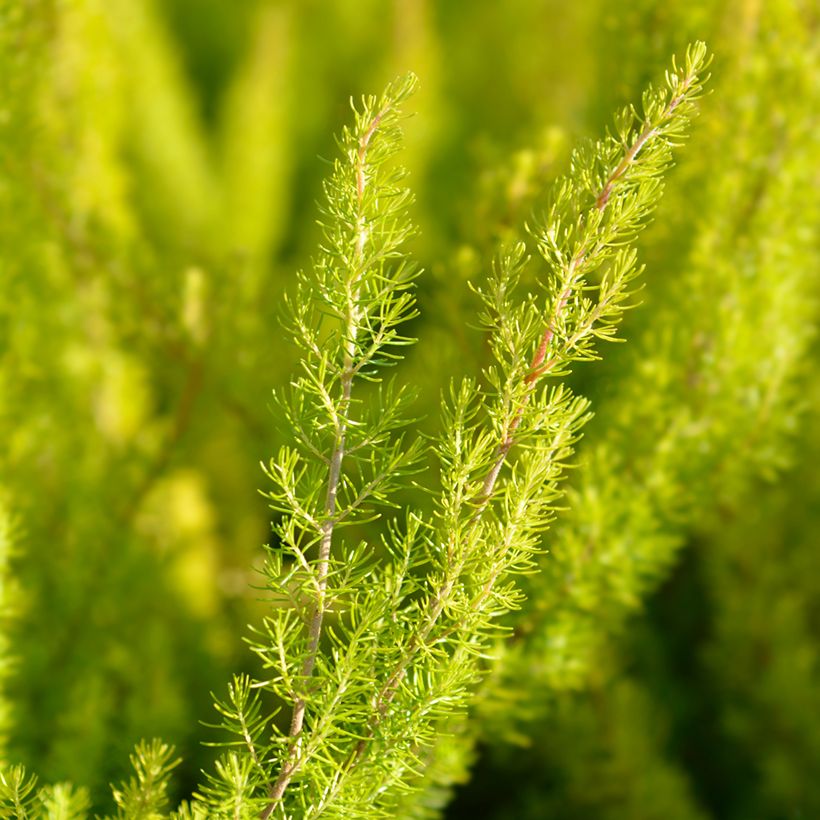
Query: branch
x=277 y=789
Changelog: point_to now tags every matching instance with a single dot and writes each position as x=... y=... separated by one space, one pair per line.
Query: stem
x=644 y=137
x=349 y=370
x=538 y=366
x=537 y=369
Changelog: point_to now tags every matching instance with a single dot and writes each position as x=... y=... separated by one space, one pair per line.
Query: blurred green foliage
x=158 y=179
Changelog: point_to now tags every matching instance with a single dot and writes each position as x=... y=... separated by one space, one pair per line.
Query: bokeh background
x=160 y=163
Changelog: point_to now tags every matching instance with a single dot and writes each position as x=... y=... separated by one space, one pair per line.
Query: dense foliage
x=464 y=606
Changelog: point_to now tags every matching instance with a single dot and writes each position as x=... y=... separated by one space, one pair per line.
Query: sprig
x=404 y=657
x=373 y=657
x=145 y=796
x=344 y=459
x=17 y=793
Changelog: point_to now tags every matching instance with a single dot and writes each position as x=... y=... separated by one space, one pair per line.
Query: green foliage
x=435 y=586
x=415 y=639
x=145 y=795
x=17 y=794
x=64 y=802
x=665 y=459
x=706 y=381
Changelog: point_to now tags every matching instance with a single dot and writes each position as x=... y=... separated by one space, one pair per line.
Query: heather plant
x=373 y=656
x=437 y=585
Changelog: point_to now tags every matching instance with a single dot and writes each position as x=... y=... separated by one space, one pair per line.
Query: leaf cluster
x=374 y=656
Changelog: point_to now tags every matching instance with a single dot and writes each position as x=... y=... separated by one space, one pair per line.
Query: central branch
x=351 y=332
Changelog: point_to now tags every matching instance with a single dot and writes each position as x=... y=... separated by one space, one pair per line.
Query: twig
x=291 y=765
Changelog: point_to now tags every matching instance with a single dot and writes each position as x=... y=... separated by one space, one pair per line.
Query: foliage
x=418 y=607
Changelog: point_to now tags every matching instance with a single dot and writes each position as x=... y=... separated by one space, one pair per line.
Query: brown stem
x=538 y=366
x=644 y=137
x=277 y=789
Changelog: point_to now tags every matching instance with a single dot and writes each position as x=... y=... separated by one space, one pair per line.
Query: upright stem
x=539 y=366
x=277 y=788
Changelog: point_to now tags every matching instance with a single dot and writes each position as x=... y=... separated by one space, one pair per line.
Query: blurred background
x=160 y=164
